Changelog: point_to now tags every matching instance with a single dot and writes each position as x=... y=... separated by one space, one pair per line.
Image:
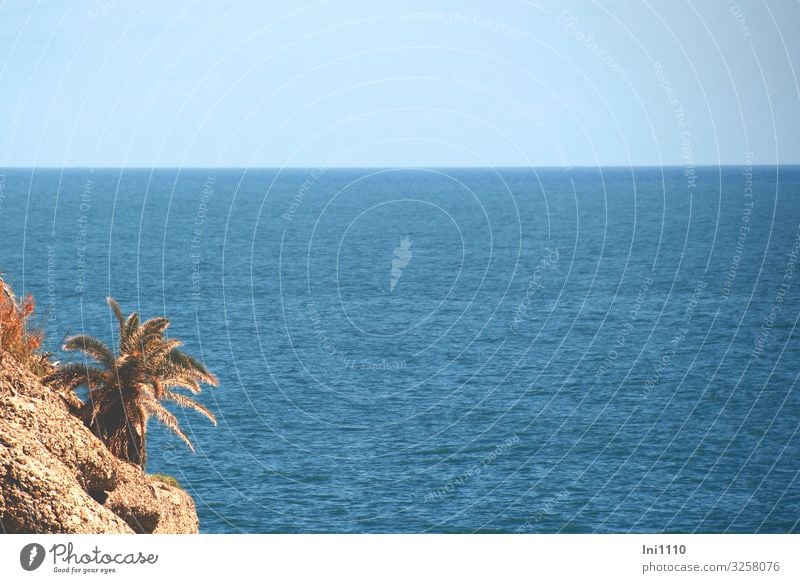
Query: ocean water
x=449 y=350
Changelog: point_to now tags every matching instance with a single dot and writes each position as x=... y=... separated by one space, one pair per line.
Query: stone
x=57 y=477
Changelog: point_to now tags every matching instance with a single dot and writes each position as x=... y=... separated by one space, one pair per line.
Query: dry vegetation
x=17 y=338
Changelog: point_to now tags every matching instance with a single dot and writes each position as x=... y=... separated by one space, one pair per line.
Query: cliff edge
x=57 y=477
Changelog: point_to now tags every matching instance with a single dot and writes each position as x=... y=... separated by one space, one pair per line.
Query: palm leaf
x=72 y=375
x=167 y=419
x=183 y=360
x=185 y=401
x=118 y=314
x=158 y=352
x=93 y=347
x=131 y=325
x=155 y=326
x=182 y=380
x=152 y=331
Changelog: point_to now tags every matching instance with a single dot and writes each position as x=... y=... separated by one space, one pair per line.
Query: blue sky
x=508 y=83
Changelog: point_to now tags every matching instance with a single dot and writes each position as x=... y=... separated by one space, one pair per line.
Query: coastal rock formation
x=57 y=477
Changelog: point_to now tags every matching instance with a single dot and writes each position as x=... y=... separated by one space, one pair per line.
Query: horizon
x=327 y=168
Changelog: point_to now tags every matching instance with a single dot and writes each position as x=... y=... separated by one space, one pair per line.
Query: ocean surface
x=449 y=350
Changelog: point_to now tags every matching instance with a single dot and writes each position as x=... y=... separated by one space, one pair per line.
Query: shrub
x=16 y=337
x=165 y=479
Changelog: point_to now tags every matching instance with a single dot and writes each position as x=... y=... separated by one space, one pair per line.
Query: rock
x=57 y=477
x=174 y=522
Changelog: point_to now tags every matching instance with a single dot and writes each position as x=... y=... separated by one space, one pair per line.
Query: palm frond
x=185 y=401
x=118 y=314
x=72 y=375
x=147 y=334
x=183 y=360
x=155 y=326
x=167 y=419
x=181 y=380
x=93 y=347
x=158 y=351
x=131 y=325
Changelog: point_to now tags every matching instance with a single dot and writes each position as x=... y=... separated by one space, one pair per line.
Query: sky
x=411 y=83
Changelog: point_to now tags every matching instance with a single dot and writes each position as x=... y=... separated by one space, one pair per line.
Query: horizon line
x=381 y=167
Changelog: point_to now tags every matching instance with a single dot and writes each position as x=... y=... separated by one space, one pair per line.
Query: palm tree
x=127 y=388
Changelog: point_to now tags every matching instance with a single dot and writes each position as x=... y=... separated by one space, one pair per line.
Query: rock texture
x=56 y=477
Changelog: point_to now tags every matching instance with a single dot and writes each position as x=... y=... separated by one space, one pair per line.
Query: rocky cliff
x=57 y=477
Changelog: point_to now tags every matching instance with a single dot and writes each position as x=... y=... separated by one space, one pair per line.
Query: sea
x=448 y=350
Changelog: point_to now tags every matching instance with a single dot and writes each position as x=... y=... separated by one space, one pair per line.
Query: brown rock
x=57 y=477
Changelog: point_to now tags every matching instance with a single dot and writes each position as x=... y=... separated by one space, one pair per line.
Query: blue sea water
x=449 y=350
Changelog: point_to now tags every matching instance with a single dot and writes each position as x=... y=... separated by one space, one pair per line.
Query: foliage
x=168 y=480
x=16 y=337
x=127 y=388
